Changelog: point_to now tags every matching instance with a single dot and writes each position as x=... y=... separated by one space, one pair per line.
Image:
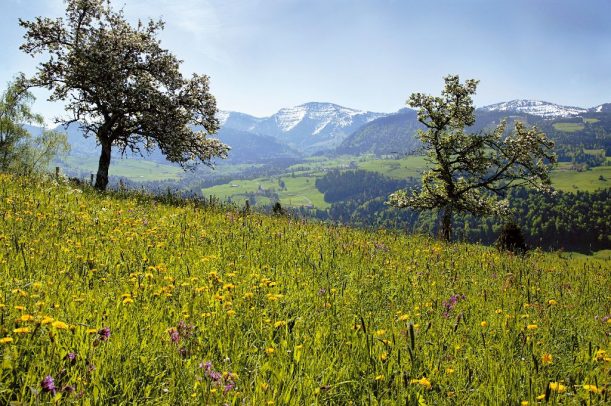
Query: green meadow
x=124 y=299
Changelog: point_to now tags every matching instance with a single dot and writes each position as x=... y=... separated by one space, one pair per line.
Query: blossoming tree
x=469 y=172
x=121 y=86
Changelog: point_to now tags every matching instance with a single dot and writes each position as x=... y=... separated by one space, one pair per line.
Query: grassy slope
x=301 y=313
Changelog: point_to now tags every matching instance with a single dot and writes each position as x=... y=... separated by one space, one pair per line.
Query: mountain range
x=326 y=128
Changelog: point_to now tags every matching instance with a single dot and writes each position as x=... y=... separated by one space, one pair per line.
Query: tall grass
x=123 y=299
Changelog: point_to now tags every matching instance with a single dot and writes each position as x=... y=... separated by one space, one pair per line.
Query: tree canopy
x=121 y=86
x=468 y=172
x=20 y=151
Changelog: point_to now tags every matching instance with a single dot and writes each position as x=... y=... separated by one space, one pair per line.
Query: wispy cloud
x=194 y=24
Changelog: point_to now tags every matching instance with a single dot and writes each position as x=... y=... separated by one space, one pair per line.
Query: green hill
x=110 y=299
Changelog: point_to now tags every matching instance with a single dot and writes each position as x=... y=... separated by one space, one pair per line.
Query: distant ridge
x=535 y=108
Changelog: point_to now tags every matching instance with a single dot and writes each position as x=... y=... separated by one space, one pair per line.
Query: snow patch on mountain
x=288 y=118
x=536 y=108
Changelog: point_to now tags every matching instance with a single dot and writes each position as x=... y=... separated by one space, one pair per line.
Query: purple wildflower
x=206 y=365
x=184 y=329
x=104 y=333
x=48 y=384
x=174 y=335
x=228 y=386
x=214 y=375
x=451 y=303
x=70 y=357
x=68 y=389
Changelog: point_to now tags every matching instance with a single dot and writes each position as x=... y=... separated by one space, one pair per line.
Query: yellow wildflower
x=422 y=381
x=20 y=308
x=379 y=378
x=6 y=340
x=541 y=397
x=47 y=320
x=384 y=356
x=380 y=333
x=600 y=355
x=593 y=389
x=524 y=403
x=547 y=359
x=484 y=324
x=25 y=317
x=270 y=350
x=128 y=300
x=552 y=302
x=532 y=327
x=557 y=387
x=22 y=330
x=279 y=324
x=60 y=325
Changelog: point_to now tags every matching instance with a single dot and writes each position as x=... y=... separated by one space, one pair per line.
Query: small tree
x=511 y=239
x=21 y=152
x=121 y=86
x=468 y=172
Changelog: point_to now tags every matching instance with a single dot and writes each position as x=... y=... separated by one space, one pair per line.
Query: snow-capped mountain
x=535 y=108
x=309 y=127
x=601 y=108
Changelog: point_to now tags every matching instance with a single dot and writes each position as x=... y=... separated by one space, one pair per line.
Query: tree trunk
x=446 y=224
x=101 y=180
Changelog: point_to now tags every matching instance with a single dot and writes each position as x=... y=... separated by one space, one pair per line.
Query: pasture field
x=132 y=169
x=569 y=127
x=569 y=180
x=122 y=299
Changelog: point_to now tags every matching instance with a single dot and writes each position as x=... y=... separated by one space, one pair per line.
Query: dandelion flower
x=547 y=359
x=557 y=387
x=60 y=325
x=600 y=355
x=270 y=350
x=552 y=302
x=593 y=389
x=532 y=327
x=6 y=340
x=484 y=324
x=22 y=330
x=47 y=320
x=422 y=382
x=128 y=300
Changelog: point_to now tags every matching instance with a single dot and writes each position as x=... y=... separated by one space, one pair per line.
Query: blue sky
x=263 y=55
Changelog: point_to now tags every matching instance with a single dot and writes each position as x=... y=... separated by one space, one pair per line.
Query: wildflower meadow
x=122 y=298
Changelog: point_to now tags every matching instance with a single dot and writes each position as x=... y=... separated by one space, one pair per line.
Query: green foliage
x=467 y=169
x=121 y=86
x=286 y=311
x=21 y=152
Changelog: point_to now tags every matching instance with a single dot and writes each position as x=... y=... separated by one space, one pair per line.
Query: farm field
x=301 y=179
x=118 y=298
